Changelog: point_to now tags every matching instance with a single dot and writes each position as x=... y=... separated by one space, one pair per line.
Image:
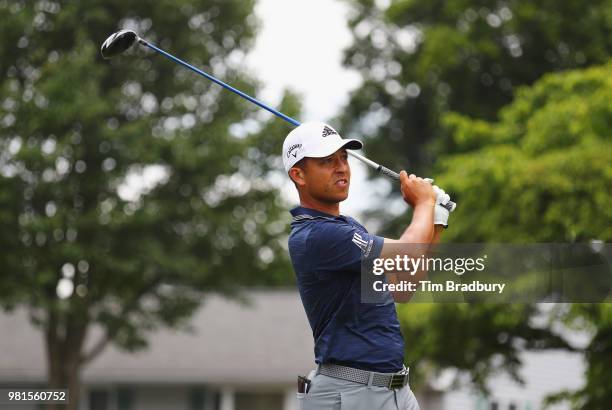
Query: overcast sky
x=300 y=46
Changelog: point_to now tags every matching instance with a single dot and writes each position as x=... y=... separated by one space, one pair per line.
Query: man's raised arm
x=419 y=236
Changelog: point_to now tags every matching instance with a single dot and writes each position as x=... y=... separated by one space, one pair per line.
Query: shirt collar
x=300 y=212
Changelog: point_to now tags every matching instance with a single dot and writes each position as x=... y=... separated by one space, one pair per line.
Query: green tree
x=596 y=319
x=129 y=187
x=540 y=174
x=479 y=340
x=421 y=59
x=436 y=75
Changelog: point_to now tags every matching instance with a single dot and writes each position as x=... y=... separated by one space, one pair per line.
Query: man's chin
x=334 y=199
x=342 y=197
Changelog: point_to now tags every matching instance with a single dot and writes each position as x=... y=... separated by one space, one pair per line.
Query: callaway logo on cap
x=314 y=140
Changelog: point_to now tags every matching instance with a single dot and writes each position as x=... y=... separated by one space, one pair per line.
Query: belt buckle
x=397 y=381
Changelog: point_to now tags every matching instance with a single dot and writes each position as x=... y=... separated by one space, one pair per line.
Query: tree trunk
x=65 y=376
x=64 y=360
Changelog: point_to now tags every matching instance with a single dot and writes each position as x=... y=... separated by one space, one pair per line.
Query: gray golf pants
x=329 y=393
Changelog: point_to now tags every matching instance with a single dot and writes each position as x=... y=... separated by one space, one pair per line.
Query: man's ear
x=297 y=176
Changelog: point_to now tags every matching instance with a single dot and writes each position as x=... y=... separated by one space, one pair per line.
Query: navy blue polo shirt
x=326 y=252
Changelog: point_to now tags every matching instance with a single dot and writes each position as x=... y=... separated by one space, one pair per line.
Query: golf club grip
x=388 y=173
x=450 y=205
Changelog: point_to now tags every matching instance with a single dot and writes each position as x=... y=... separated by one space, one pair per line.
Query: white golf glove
x=440 y=213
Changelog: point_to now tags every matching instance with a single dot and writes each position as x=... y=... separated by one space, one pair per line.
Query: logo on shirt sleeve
x=361 y=244
x=365 y=246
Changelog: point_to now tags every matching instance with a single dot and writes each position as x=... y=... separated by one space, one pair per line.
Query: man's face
x=327 y=179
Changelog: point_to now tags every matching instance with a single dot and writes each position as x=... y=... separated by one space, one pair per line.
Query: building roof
x=267 y=341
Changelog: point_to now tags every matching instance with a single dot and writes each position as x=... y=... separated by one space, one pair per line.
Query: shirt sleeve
x=341 y=246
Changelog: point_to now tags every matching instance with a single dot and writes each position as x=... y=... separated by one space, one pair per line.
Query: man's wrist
x=430 y=203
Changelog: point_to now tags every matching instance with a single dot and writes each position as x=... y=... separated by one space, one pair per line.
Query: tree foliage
x=480 y=340
x=540 y=174
x=525 y=153
x=420 y=60
x=132 y=181
x=596 y=319
x=448 y=90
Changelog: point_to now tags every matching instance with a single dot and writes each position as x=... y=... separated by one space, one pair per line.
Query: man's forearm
x=418 y=276
x=421 y=229
x=438 y=229
x=415 y=241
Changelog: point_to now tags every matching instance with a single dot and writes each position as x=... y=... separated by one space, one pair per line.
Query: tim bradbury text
x=429 y=286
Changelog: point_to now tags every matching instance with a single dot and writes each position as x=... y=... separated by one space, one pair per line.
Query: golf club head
x=118 y=42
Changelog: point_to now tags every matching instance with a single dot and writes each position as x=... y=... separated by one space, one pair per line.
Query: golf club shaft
x=290 y=120
x=221 y=83
x=381 y=169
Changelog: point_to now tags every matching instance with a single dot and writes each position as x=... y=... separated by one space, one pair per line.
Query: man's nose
x=342 y=164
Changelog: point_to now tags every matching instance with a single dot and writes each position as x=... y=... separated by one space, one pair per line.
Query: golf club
x=123 y=40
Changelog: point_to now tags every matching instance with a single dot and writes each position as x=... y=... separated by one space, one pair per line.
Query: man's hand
x=416 y=191
x=441 y=213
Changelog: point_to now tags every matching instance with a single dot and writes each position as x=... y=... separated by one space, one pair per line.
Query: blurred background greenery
x=508 y=104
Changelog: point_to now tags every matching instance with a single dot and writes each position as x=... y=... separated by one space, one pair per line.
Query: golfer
x=358 y=346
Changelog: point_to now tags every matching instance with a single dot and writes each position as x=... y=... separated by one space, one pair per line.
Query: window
x=259 y=401
x=125 y=399
x=197 y=399
x=98 y=400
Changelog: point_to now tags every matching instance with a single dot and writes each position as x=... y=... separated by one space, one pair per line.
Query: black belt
x=391 y=381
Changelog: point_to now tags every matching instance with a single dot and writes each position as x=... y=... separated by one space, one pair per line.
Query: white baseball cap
x=314 y=140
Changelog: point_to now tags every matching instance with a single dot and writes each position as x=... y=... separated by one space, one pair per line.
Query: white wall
x=161 y=398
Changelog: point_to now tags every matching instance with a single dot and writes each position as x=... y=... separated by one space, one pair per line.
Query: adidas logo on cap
x=328 y=131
